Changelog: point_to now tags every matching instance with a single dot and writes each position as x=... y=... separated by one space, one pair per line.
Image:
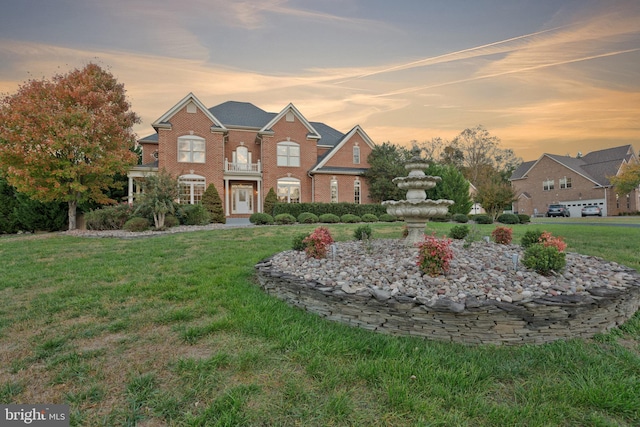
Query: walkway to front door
x=242 y=199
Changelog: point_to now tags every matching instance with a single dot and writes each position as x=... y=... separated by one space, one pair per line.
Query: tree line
x=474 y=157
x=69 y=140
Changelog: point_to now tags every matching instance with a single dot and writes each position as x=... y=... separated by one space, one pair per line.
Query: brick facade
x=321 y=158
x=576 y=182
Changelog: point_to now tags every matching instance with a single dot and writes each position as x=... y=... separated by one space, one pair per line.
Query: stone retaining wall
x=473 y=322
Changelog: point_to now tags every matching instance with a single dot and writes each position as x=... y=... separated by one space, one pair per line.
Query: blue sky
x=543 y=75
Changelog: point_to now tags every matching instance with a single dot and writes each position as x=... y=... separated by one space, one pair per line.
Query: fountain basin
x=421 y=182
x=418 y=209
x=415 y=214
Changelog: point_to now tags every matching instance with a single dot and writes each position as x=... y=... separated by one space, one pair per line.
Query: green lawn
x=172 y=330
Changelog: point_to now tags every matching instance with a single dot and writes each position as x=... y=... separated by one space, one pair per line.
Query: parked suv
x=558 y=210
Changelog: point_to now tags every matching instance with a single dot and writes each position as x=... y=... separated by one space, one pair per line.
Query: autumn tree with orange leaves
x=64 y=139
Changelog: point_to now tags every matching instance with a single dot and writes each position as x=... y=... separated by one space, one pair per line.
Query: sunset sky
x=542 y=75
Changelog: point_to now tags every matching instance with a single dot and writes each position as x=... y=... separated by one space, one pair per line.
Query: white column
x=259 y=184
x=130 y=198
x=226 y=197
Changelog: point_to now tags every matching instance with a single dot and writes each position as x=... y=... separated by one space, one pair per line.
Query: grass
x=172 y=330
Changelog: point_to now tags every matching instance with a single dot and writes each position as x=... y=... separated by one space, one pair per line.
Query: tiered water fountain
x=417 y=209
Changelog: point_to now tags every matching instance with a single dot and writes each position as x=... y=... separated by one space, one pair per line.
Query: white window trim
x=191 y=139
x=289 y=157
x=333 y=190
x=289 y=183
x=192 y=181
x=357 y=190
x=356 y=155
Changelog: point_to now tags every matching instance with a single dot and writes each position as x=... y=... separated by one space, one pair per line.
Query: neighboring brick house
x=575 y=182
x=245 y=151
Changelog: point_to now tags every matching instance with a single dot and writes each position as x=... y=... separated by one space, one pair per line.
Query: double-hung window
x=191 y=149
x=356 y=155
x=548 y=185
x=565 y=183
x=288 y=154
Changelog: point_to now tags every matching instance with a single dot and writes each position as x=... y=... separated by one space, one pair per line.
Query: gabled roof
x=313 y=134
x=596 y=166
x=163 y=122
x=244 y=115
x=521 y=171
x=325 y=158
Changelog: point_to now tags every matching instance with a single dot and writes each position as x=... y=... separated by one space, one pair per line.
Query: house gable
x=341 y=155
x=191 y=104
x=289 y=114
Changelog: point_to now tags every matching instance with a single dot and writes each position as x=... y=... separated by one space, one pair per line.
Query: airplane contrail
x=519 y=70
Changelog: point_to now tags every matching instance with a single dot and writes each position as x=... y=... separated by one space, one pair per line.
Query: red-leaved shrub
x=317 y=242
x=502 y=235
x=434 y=255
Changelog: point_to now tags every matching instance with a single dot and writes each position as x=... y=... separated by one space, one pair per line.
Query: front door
x=242 y=199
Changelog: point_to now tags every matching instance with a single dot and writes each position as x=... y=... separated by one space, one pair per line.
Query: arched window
x=288 y=154
x=356 y=192
x=191 y=149
x=241 y=159
x=334 y=190
x=191 y=188
x=289 y=190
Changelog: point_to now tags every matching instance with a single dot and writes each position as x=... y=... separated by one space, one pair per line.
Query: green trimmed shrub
x=388 y=218
x=508 y=219
x=339 y=209
x=544 y=259
x=213 y=203
x=483 y=219
x=193 y=214
x=524 y=219
x=462 y=218
x=369 y=218
x=137 y=224
x=298 y=243
x=329 y=218
x=260 y=218
x=284 y=218
x=459 y=232
x=350 y=218
x=171 y=221
x=531 y=237
x=108 y=218
x=270 y=202
x=363 y=232
x=307 y=218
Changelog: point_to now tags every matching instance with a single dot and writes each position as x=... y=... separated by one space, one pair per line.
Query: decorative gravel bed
x=485 y=270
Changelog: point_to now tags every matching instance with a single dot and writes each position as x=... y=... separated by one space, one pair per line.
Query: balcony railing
x=252 y=168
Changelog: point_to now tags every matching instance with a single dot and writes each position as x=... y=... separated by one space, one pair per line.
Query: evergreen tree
x=213 y=203
x=270 y=201
x=386 y=162
x=453 y=186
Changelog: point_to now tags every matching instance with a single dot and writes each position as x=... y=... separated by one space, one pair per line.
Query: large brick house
x=245 y=151
x=574 y=182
